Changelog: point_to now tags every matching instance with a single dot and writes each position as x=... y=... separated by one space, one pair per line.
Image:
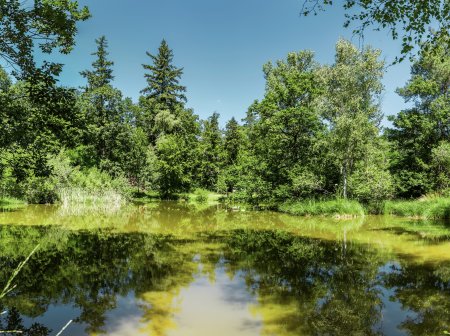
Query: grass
x=9 y=287
x=77 y=196
x=426 y=207
x=10 y=201
x=336 y=207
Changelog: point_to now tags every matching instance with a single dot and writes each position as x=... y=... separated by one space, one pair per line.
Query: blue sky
x=221 y=44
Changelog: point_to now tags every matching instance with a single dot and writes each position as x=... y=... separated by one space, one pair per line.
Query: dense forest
x=316 y=134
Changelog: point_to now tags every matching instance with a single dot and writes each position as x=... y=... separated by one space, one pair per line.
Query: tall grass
x=81 y=196
x=9 y=286
x=427 y=207
x=336 y=207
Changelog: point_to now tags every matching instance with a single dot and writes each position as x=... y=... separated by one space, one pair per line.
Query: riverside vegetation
x=312 y=145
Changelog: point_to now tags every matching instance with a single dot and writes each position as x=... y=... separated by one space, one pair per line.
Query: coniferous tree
x=163 y=79
x=104 y=109
x=102 y=73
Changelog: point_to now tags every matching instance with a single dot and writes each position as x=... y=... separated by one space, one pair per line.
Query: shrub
x=41 y=190
x=201 y=195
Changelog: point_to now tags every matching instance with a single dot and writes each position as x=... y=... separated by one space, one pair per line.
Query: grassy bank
x=337 y=207
x=10 y=201
x=431 y=208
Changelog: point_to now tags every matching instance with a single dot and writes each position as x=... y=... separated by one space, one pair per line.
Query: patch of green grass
x=336 y=207
x=203 y=196
x=10 y=201
x=432 y=208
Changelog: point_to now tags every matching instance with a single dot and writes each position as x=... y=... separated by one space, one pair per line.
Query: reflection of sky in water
x=219 y=307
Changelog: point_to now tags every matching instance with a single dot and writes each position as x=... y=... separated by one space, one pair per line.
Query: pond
x=174 y=269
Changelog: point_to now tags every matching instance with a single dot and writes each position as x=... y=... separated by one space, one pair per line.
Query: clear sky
x=221 y=44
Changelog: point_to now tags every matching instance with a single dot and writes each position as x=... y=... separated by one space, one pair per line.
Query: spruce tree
x=101 y=74
x=103 y=106
x=163 y=79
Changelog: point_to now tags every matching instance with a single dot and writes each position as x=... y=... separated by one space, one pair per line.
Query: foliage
x=424 y=126
x=412 y=21
x=315 y=134
x=45 y=25
x=285 y=118
x=351 y=108
x=163 y=79
x=209 y=153
x=440 y=166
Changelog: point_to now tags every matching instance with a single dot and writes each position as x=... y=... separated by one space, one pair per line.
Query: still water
x=172 y=269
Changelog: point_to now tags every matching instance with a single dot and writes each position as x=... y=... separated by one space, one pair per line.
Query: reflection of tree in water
x=424 y=289
x=12 y=321
x=310 y=286
x=89 y=270
x=303 y=285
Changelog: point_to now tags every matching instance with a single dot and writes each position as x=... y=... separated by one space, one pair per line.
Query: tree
x=46 y=24
x=285 y=126
x=104 y=108
x=210 y=147
x=232 y=142
x=424 y=126
x=412 y=21
x=102 y=73
x=440 y=166
x=174 y=169
x=351 y=107
x=163 y=79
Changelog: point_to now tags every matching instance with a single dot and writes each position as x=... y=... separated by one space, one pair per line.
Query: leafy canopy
x=45 y=24
x=415 y=22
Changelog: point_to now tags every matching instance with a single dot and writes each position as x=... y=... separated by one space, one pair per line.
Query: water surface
x=172 y=269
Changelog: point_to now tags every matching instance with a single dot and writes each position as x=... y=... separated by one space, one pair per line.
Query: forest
x=314 y=143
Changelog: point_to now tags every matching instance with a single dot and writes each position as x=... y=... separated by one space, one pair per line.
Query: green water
x=171 y=269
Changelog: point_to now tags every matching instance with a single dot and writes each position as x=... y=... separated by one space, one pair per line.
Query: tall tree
x=163 y=79
x=351 y=107
x=419 y=129
x=102 y=73
x=285 y=125
x=103 y=106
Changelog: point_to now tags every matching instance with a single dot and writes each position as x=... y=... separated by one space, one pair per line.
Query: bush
x=201 y=195
x=40 y=190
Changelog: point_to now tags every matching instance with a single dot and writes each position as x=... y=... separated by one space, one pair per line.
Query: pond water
x=173 y=269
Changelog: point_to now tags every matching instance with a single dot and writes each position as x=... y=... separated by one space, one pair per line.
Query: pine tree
x=163 y=79
x=103 y=105
x=101 y=74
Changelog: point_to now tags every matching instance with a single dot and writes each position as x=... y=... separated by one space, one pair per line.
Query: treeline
x=316 y=134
